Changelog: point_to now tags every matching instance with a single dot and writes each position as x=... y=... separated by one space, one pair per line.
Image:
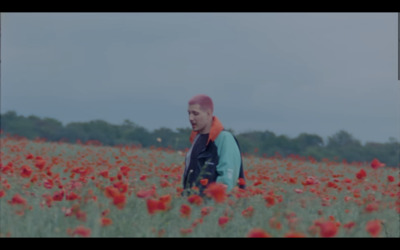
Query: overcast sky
x=288 y=73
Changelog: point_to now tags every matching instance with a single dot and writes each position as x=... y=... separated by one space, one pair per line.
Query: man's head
x=200 y=111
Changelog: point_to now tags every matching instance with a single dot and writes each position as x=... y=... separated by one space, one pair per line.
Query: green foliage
x=340 y=146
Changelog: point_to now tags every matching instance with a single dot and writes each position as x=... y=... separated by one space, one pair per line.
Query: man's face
x=200 y=119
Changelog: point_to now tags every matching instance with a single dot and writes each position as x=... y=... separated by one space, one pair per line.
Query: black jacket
x=207 y=165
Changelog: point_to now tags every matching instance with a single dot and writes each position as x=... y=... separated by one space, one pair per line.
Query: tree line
x=340 y=146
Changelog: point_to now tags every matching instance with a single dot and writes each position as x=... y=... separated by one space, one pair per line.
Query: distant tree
x=19 y=125
x=123 y=130
x=256 y=141
x=345 y=146
x=341 y=145
x=342 y=138
x=48 y=128
x=164 y=137
x=182 y=138
x=140 y=135
x=102 y=131
x=305 y=140
x=75 y=131
x=389 y=153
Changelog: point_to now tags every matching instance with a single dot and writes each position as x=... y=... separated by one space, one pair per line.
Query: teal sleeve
x=229 y=159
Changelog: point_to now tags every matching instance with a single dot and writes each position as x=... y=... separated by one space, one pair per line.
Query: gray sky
x=284 y=72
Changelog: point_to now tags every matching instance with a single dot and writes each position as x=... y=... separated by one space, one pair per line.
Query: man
x=214 y=155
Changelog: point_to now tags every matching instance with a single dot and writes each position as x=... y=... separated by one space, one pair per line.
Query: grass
x=284 y=196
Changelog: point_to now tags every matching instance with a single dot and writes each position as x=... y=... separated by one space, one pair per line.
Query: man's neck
x=207 y=129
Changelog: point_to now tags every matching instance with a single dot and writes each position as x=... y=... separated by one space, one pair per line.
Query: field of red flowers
x=75 y=190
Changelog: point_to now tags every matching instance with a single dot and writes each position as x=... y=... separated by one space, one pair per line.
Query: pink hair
x=204 y=101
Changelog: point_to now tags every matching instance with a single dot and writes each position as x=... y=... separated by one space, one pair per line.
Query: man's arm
x=229 y=159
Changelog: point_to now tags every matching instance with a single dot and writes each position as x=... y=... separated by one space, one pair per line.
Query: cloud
x=285 y=72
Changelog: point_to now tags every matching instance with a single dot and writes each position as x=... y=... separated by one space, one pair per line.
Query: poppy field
x=56 y=189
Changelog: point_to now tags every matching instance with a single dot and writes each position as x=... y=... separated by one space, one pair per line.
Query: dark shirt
x=198 y=146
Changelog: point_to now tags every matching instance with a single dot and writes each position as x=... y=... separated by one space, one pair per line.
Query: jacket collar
x=216 y=128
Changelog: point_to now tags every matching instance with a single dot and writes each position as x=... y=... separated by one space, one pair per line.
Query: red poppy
x=58 y=195
x=48 y=200
x=166 y=199
x=82 y=231
x=347 y=198
x=7 y=168
x=327 y=228
x=377 y=164
x=48 y=183
x=204 y=182
x=185 y=231
x=241 y=182
x=298 y=190
x=185 y=211
x=374 y=227
x=2 y=193
x=349 y=225
x=125 y=170
x=146 y=193
x=222 y=221
x=347 y=180
x=361 y=174
x=104 y=221
x=257 y=182
x=26 y=171
x=274 y=223
x=332 y=184
x=164 y=183
x=80 y=215
x=390 y=178
x=248 y=212
x=162 y=204
x=121 y=186
x=119 y=200
x=206 y=211
x=372 y=207
x=17 y=199
x=40 y=163
x=195 y=199
x=110 y=191
x=118 y=197
x=152 y=206
x=72 y=196
x=270 y=200
x=311 y=180
x=293 y=180
x=356 y=193
x=258 y=233
x=217 y=191
x=104 y=173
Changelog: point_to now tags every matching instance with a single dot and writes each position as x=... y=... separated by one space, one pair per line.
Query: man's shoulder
x=227 y=145
x=224 y=135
